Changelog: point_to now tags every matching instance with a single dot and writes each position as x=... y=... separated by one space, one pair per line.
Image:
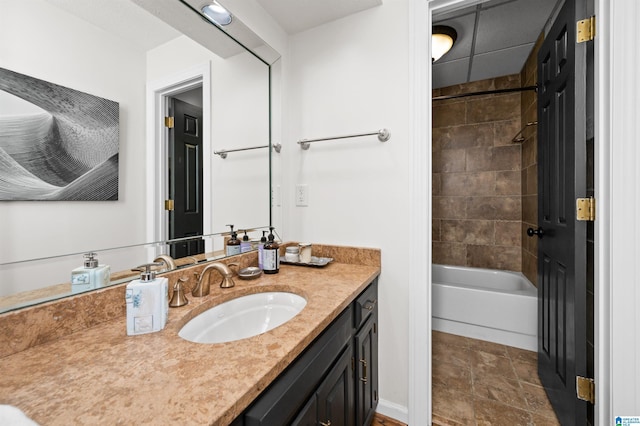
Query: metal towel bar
x=383 y=136
x=223 y=153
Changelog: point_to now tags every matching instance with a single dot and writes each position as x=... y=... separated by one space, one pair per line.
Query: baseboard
x=392 y=410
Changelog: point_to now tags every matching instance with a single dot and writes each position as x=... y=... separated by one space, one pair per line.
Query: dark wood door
x=336 y=394
x=562 y=347
x=185 y=178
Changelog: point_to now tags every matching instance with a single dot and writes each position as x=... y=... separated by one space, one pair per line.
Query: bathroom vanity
x=334 y=381
x=320 y=364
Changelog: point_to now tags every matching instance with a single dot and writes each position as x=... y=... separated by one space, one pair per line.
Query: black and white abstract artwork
x=56 y=143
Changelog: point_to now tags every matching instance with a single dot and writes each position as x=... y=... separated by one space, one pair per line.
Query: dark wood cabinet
x=334 y=381
x=366 y=356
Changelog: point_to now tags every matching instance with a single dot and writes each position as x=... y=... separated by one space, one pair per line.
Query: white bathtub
x=486 y=304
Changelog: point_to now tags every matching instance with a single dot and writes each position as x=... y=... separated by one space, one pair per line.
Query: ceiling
x=295 y=16
x=494 y=39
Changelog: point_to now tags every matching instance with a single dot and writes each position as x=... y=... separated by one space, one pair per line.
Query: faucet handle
x=233 y=264
x=178 y=298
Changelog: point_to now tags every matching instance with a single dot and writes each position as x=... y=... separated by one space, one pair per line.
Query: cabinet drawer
x=366 y=304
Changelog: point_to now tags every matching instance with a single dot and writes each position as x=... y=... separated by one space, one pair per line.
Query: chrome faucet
x=168 y=260
x=203 y=286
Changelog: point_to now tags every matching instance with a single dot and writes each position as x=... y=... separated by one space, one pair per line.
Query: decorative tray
x=317 y=262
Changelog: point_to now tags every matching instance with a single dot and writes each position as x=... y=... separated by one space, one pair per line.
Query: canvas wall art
x=56 y=143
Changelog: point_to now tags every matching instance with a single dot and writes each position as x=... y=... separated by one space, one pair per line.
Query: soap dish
x=249 y=273
x=317 y=262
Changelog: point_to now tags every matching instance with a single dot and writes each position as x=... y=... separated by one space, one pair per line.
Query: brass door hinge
x=586 y=389
x=586 y=30
x=168 y=205
x=586 y=209
x=169 y=122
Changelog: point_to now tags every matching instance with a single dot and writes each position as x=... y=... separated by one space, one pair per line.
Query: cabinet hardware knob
x=328 y=423
x=370 y=305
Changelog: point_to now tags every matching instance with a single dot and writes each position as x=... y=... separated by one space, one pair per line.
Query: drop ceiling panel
x=511 y=62
x=505 y=32
x=511 y=24
x=450 y=73
x=464 y=27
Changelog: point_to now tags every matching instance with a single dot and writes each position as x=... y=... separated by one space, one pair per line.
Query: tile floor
x=483 y=383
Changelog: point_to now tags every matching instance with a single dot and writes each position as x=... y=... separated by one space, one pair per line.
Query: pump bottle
x=233 y=245
x=271 y=255
x=147 y=302
x=245 y=244
x=263 y=241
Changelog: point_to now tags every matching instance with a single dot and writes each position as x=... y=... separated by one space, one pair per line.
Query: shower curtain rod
x=485 y=92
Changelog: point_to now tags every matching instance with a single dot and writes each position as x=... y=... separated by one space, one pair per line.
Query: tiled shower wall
x=477 y=188
x=529 y=113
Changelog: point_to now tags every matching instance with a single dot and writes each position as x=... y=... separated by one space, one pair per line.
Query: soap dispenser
x=147 y=301
x=245 y=244
x=263 y=241
x=91 y=275
x=233 y=245
x=271 y=255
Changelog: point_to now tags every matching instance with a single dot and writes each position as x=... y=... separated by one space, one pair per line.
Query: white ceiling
x=295 y=16
x=494 y=39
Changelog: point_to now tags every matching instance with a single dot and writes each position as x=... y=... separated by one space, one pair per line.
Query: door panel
x=562 y=249
x=185 y=179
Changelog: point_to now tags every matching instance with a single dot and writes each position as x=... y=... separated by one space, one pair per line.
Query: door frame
x=158 y=94
x=615 y=109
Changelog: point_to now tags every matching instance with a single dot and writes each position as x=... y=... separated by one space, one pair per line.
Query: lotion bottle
x=147 y=302
x=91 y=275
x=233 y=245
x=271 y=255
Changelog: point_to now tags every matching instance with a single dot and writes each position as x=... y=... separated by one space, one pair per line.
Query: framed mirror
x=134 y=53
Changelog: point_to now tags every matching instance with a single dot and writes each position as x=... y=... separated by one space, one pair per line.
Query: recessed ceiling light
x=442 y=40
x=217 y=14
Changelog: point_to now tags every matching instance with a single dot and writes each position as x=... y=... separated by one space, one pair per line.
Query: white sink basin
x=243 y=317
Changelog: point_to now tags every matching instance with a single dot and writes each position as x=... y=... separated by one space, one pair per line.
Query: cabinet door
x=335 y=396
x=367 y=371
x=309 y=414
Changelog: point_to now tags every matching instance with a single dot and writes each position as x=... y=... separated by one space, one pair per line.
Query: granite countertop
x=102 y=376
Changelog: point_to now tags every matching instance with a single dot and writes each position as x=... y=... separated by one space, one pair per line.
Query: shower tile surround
x=529 y=112
x=485 y=187
x=477 y=194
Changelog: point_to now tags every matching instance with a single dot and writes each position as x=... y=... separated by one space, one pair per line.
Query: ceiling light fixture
x=442 y=40
x=217 y=14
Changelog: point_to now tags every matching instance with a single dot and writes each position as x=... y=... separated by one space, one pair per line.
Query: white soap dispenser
x=147 y=302
x=91 y=275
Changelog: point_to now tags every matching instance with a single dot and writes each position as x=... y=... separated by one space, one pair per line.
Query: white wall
x=42 y=41
x=350 y=76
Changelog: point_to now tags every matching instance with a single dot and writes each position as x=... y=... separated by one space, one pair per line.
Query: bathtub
x=486 y=304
